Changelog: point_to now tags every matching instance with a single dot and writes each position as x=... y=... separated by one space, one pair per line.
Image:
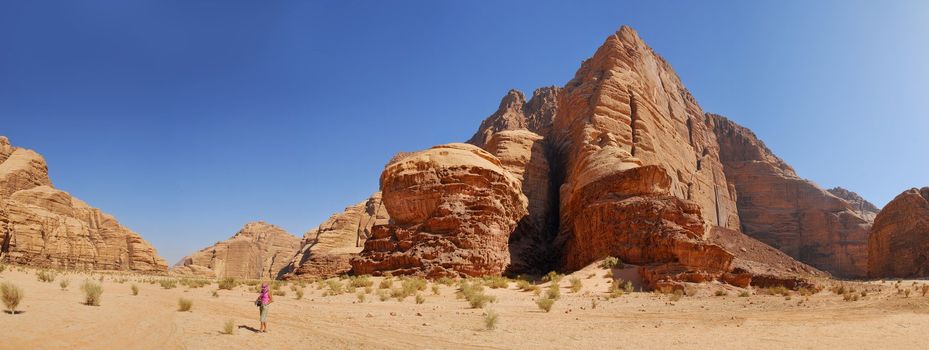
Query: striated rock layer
x=866 y=210
x=258 y=250
x=43 y=226
x=327 y=250
x=787 y=212
x=452 y=209
x=899 y=240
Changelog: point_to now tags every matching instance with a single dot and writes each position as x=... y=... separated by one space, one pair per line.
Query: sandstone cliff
x=899 y=240
x=327 y=250
x=452 y=209
x=787 y=212
x=43 y=226
x=258 y=250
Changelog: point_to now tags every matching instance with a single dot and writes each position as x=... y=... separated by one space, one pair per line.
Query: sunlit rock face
x=43 y=226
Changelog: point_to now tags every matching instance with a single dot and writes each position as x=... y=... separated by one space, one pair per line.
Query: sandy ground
x=56 y=319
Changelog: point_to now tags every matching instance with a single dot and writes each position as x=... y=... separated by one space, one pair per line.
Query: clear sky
x=186 y=119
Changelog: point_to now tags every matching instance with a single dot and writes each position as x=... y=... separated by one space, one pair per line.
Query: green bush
x=45 y=276
x=545 y=303
x=168 y=284
x=576 y=284
x=64 y=283
x=610 y=263
x=135 y=289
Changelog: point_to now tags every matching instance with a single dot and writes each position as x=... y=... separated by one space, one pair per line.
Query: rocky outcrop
x=766 y=266
x=452 y=209
x=641 y=176
x=43 y=226
x=898 y=246
x=515 y=113
x=787 y=212
x=327 y=250
x=865 y=209
x=258 y=250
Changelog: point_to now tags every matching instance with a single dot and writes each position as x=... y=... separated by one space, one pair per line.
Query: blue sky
x=187 y=119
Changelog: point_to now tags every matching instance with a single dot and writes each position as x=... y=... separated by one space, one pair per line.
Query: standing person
x=264 y=300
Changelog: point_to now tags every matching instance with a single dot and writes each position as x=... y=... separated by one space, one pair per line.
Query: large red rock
x=258 y=250
x=866 y=210
x=790 y=213
x=46 y=227
x=452 y=209
x=641 y=176
x=899 y=240
x=327 y=250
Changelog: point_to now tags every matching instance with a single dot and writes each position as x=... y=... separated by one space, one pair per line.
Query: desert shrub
x=2 y=267
x=576 y=284
x=383 y=294
x=495 y=282
x=466 y=289
x=168 y=284
x=744 y=294
x=591 y=275
x=924 y=289
x=850 y=297
x=778 y=290
x=45 y=276
x=804 y=291
x=420 y=299
x=720 y=293
x=64 y=283
x=677 y=295
x=524 y=285
x=627 y=287
x=227 y=283
x=229 y=327
x=299 y=293
x=553 y=277
x=361 y=297
x=368 y=290
x=11 y=295
x=335 y=287
x=92 y=293
x=215 y=293
x=386 y=283
x=907 y=292
x=593 y=303
x=135 y=289
x=490 y=319
x=361 y=281
x=279 y=293
x=545 y=303
x=611 y=262
x=446 y=281
x=554 y=291
x=435 y=290
x=184 y=304
x=616 y=289
x=479 y=300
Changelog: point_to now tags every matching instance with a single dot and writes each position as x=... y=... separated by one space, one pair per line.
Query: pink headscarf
x=265 y=296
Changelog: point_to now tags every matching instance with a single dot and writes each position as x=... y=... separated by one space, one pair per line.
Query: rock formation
x=258 y=250
x=452 y=209
x=865 y=209
x=43 y=226
x=899 y=240
x=326 y=251
x=787 y=212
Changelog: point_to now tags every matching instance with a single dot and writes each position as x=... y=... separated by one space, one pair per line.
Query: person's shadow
x=253 y=329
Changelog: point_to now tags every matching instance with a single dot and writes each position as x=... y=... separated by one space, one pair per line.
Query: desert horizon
x=608 y=209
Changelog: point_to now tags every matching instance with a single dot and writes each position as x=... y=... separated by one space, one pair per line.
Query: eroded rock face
x=258 y=250
x=46 y=227
x=899 y=240
x=452 y=209
x=515 y=113
x=865 y=209
x=787 y=212
x=642 y=180
x=327 y=250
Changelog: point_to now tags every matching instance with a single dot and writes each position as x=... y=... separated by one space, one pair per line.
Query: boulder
x=452 y=209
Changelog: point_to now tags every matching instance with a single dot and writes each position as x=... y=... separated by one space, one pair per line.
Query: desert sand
x=51 y=318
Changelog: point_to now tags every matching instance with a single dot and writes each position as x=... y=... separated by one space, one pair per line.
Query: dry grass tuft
x=92 y=293
x=184 y=304
x=229 y=327
x=11 y=295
